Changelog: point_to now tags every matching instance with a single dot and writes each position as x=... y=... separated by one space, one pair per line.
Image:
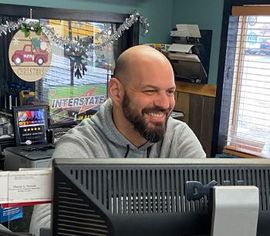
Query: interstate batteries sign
x=75 y=103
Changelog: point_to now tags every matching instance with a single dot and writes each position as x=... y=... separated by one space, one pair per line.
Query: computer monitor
x=147 y=196
x=30 y=124
x=6 y=232
x=9 y=233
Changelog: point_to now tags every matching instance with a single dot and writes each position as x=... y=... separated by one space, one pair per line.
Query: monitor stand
x=235 y=211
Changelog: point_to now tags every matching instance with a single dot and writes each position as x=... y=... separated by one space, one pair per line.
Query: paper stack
x=182 y=52
x=186 y=30
x=25 y=187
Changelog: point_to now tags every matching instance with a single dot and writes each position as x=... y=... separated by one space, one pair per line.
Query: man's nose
x=163 y=100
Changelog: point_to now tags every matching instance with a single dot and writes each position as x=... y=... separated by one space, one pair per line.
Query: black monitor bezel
x=63 y=168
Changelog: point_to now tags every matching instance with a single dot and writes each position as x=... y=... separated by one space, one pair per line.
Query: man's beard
x=151 y=134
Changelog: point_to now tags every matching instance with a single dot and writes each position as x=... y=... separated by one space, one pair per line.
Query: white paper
x=177 y=47
x=175 y=33
x=29 y=186
x=188 y=30
x=3 y=186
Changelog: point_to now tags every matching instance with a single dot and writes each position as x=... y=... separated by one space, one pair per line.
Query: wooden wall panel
x=207 y=124
x=201 y=117
x=182 y=104
x=195 y=114
x=197 y=102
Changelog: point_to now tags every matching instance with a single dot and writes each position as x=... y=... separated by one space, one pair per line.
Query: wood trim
x=241 y=152
x=251 y=10
x=208 y=90
x=239 y=73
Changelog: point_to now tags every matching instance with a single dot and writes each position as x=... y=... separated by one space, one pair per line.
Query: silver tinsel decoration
x=79 y=44
x=10 y=26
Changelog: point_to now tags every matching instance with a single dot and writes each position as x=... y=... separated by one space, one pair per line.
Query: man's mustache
x=156 y=109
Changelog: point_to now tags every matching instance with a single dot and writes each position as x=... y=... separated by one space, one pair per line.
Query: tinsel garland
x=73 y=45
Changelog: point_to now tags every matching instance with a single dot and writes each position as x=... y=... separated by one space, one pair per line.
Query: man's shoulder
x=174 y=124
x=82 y=129
x=177 y=129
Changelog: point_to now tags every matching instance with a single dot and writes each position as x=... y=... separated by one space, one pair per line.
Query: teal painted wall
x=156 y=11
x=208 y=15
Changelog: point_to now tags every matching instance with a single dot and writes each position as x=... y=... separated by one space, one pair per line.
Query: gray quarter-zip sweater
x=97 y=137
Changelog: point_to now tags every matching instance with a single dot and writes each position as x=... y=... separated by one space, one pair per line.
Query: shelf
x=208 y=90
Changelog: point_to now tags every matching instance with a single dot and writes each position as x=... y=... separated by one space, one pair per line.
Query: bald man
x=134 y=122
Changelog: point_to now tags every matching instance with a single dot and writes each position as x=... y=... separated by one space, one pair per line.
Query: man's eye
x=171 y=92
x=149 y=92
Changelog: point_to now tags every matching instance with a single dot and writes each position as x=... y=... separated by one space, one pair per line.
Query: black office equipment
x=30 y=124
x=33 y=145
x=147 y=196
x=6 y=232
x=192 y=67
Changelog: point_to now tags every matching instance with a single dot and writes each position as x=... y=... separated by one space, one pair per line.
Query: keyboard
x=38 y=148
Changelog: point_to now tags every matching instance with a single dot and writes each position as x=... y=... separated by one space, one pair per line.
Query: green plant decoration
x=25 y=28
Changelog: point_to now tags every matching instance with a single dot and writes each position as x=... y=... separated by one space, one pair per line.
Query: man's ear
x=115 y=90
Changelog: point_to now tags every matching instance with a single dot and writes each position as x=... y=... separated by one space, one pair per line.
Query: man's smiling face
x=147 y=104
x=149 y=121
x=142 y=91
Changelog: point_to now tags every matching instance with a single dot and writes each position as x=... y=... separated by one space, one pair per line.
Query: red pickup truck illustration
x=30 y=54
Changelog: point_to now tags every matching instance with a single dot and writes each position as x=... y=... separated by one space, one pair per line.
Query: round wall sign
x=30 y=57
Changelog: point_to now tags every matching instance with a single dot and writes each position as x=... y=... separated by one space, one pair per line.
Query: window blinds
x=246 y=91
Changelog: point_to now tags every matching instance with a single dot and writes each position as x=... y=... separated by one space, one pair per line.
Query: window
x=245 y=112
x=76 y=78
x=80 y=78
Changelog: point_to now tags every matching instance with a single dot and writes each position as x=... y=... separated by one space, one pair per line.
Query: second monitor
x=30 y=124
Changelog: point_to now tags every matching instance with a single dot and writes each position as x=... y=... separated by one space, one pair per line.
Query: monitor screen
x=147 y=196
x=30 y=124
